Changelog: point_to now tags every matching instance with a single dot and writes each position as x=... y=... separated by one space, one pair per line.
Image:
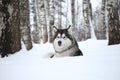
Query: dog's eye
x=64 y=37
x=58 y=37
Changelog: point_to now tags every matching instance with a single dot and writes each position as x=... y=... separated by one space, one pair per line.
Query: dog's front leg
x=58 y=55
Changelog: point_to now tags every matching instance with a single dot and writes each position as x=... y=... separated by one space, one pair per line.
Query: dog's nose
x=59 y=43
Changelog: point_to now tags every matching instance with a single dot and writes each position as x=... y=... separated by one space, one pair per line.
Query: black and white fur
x=65 y=44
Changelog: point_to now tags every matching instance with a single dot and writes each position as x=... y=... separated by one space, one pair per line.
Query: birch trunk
x=103 y=25
x=43 y=21
x=86 y=19
x=59 y=14
x=67 y=16
x=38 y=26
x=73 y=16
x=51 y=20
x=10 y=41
x=35 y=32
x=25 y=24
x=113 y=22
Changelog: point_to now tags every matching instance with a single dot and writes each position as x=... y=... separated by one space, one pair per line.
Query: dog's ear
x=68 y=27
x=55 y=28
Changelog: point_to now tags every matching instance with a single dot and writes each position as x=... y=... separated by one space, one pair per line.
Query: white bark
x=86 y=18
x=25 y=24
x=43 y=23
x=51 y=17
x=35 y=32
x=37 y=36
x=103 y=25
x=73 y=16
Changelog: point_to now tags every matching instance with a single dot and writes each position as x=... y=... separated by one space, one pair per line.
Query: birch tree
x=43 y=23
x=67 y=14
x=10 y=40
x=86 y=18
x=41 y=19
x=103 y=25
x=25 y=23
x=113 y=22
x=119 y=10
x=60 y=13
x=35 y=32
x=73 y=16
x=51 y=17
x=37 y=29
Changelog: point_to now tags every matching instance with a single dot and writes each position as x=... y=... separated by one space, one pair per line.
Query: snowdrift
x=100 y=62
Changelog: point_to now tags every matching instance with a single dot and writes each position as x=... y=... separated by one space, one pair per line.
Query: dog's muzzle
x=59 y=43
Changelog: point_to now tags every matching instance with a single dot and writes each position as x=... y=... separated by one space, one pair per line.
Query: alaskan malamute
x=65 y=44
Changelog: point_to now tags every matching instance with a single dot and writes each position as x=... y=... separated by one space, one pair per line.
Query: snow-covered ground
x=100 y=62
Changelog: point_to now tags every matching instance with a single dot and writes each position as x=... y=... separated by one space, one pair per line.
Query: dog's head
x=62 y=39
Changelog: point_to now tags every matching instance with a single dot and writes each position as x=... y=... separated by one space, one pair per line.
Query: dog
x=65 y=44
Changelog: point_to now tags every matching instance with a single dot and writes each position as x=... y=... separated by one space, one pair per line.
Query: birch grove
x=16 y=23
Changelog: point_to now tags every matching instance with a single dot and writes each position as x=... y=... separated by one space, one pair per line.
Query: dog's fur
x=65 y=44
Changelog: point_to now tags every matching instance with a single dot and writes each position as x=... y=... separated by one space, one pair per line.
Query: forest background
x=32 y=21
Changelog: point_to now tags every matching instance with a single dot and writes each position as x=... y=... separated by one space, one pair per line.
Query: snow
x=100 y=62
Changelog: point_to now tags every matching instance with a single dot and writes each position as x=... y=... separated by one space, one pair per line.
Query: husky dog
x=65 y=44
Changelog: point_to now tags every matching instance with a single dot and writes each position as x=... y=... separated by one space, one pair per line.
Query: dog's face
x=62 y=40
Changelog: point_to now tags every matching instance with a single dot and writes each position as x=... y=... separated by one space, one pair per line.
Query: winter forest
x=32 y=21
x=26 y=39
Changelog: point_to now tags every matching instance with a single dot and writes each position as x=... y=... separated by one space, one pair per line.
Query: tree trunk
x=35 y=32
x=51 y=20
x=73 y=16
x=10 y=40
x=37 y=29
x=113 y=22
x=86 y=13
x=25 y=23
x=43 y=21
x=103 y=25
x=67 y=15
x=119 y=10
x=90 y=10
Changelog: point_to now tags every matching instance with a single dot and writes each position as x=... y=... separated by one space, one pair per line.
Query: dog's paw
x=52 y=56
